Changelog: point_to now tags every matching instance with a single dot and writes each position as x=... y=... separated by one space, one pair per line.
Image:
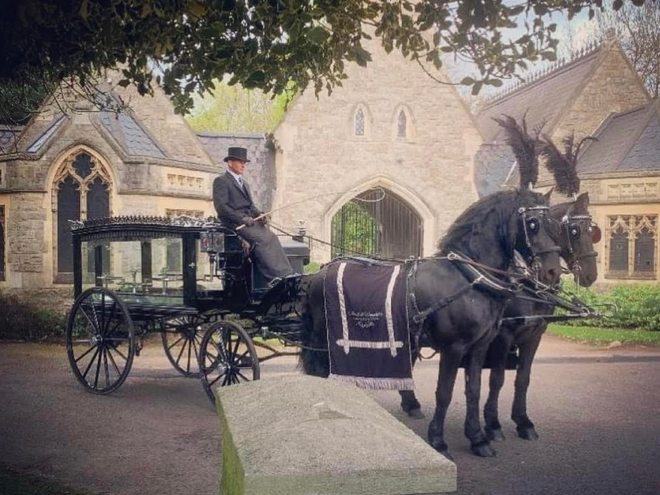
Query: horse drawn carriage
x=192 y=281
x=181 y=278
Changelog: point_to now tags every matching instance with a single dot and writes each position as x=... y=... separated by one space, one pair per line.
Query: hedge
x=638 y=306
x=21 y=320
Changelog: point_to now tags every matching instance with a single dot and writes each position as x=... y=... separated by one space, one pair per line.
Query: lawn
x=597 y=335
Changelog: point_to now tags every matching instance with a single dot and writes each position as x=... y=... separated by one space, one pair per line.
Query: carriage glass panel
x=144 y=269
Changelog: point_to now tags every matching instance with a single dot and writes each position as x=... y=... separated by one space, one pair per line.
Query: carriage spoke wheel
x=227 y=357
x=182 y=337
x=100 y=340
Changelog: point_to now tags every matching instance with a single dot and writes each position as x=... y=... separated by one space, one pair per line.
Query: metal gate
x=377 y=222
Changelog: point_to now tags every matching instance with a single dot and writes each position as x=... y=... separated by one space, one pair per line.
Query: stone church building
x=596 y=93
x=381 y=166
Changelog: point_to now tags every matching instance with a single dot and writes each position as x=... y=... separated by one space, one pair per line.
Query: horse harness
x=484 y=276
x=571 y=223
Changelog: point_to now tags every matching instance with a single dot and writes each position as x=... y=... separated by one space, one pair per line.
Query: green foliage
x=187 y=45
x=596 y=335
x=356 y=229
x=311 y=267
x=21 y=320
x=638 y=306
x=236 y=109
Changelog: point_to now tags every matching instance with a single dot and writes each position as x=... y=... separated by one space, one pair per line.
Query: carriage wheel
x=182 y=337
x=227 y=357
x=100 y=340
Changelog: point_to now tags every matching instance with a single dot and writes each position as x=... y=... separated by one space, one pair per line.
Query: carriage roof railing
x=135 y=227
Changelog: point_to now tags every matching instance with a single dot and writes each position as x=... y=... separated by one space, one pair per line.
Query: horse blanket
x=367 y=323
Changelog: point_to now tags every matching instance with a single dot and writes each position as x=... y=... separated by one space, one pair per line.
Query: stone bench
x=298 y=434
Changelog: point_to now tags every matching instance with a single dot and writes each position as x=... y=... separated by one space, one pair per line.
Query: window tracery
x=632 y=245
x=81 y=190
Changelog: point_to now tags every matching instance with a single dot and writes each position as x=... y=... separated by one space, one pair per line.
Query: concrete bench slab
x=296 y=435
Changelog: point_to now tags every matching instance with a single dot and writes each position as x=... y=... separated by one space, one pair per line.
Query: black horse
x=487 y=234
x=576 y=240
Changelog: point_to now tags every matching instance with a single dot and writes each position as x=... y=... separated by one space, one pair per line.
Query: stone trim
x=63 y=168
x=415 y=203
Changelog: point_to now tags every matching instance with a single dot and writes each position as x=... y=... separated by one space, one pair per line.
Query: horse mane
x=474 y=222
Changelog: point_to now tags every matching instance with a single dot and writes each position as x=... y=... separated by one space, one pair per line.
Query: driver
x=233 y=202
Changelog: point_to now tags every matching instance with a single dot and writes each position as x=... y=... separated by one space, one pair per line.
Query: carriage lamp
x=301 y=231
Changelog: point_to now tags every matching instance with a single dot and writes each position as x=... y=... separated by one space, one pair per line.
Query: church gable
x=389 y=126
x=541 y=98
x=612 y=86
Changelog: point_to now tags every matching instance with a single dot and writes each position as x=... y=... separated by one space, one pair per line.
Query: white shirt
x=239 y=179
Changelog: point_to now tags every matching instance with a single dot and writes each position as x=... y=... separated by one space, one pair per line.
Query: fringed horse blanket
x=367 y=323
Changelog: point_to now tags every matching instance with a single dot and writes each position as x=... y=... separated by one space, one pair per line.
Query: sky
x=583 y=31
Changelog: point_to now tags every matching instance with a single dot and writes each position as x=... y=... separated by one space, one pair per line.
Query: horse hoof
x=483 y=450
x=416 y=413
x=495 y=435
x=528 y=433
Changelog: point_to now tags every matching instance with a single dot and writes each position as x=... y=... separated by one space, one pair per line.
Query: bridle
x=531 y=220
x=571 y=225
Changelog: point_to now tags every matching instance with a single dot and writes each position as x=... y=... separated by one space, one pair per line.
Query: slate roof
x=52 y=128
x=130 y=135
x=492 y=165
x=543 y=97
x=8 y=136
x=627 y=141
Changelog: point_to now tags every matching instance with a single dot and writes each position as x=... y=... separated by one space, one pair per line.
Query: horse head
x=578 y=234
x=537 y=236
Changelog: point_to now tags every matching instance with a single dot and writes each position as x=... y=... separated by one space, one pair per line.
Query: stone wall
x=58 y=299
x=260 y=172
x=321 y=163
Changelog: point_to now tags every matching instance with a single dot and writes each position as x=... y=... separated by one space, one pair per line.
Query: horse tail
x=314 y=358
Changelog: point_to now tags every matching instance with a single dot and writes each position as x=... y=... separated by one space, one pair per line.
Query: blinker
x=596 y=234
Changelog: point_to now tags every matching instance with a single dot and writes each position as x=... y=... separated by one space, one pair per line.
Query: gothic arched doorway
x=377 y=222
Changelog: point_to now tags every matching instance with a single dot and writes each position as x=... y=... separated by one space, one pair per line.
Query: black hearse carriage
x=189 y=279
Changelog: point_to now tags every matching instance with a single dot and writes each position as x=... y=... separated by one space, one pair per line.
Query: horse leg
x=450 y=359
x=479 y=443
x=409 y=402
x=499 y=349
x=527 y=351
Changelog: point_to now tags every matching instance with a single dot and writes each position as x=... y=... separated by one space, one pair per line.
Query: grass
x=597 y=335
x=16 y=483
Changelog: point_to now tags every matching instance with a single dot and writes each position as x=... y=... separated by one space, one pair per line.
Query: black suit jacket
x=232 y=202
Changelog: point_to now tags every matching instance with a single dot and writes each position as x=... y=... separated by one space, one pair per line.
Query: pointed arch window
x=359 y=122
x=81 y=191
x=402 y=125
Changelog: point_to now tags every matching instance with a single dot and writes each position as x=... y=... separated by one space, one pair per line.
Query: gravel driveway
x=598 y=414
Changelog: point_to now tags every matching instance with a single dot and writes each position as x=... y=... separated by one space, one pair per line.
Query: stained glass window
x=619 y=252
x=68 y=208
x=359 y=123
x=83 y=165
x=402 y=124
x=645 y=251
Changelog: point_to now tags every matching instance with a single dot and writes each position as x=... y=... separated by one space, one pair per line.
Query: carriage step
x=270 y=428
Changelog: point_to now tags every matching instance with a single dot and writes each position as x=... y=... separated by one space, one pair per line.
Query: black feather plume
x=564 y=165
x=525 y=148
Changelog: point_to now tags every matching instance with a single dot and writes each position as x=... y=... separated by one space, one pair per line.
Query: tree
x=236 y=109
x=186 y=45
x=638 y=30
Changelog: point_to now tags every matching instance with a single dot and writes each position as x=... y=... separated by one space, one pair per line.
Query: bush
x=21 y=320
x=638 y=306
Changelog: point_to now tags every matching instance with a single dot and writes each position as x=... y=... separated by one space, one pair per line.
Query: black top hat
x=237 y=153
